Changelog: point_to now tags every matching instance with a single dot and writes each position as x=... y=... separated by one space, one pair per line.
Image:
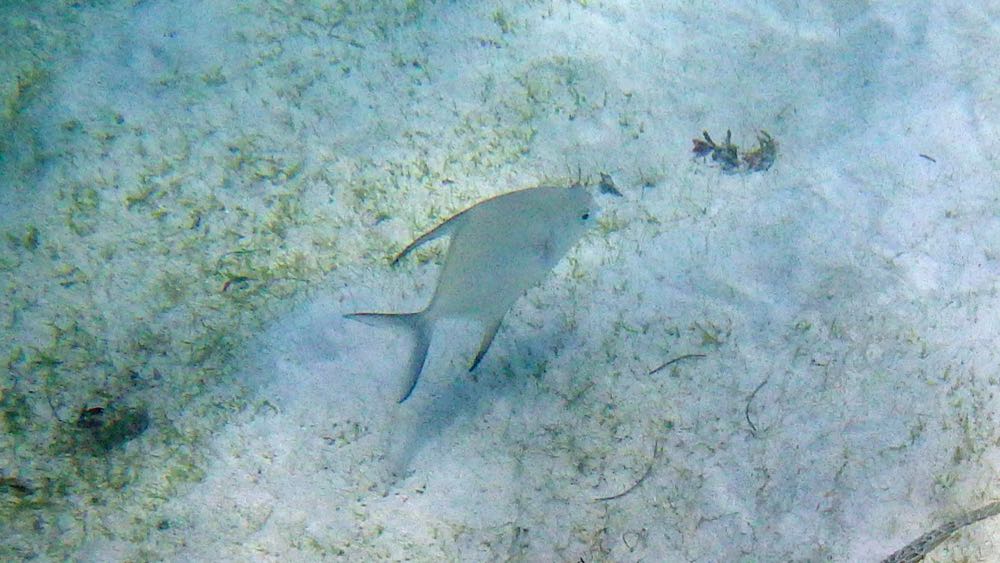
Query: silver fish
x=499 y=248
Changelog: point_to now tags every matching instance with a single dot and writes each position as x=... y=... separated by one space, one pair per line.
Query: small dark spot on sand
x=108 y=428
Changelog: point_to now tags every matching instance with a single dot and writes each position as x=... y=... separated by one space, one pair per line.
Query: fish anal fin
x=418 y=357
x=484 y=345
x=419 y=327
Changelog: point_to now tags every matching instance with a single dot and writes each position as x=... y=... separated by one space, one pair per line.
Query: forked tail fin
x=417 y=324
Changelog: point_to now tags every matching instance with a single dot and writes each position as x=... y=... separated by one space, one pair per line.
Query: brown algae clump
x=106 y=429
x=727 y=155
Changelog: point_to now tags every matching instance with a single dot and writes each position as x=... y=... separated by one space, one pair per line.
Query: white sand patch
x=836 y=317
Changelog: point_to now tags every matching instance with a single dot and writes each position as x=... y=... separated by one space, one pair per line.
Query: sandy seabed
x=193 y=194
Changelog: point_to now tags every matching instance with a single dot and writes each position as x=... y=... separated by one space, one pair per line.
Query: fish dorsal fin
x=444 y=229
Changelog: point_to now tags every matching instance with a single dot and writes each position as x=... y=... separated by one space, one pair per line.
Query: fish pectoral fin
x=484 y=345
x=441 y=230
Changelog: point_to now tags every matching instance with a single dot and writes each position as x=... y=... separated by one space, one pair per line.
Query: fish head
x=582 y=200
x=557 y=219
x=578 y=210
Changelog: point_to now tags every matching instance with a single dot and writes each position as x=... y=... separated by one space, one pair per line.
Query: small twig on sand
x=677 y=359
x=746 y=411
x=916 y=550
x=649 y=469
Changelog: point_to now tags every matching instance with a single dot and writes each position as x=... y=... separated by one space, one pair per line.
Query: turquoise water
x=192 y=194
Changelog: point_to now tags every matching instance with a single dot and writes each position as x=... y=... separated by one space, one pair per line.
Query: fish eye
x=585 y=216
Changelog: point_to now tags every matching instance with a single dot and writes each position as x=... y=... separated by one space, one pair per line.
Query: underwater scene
x=547 y=281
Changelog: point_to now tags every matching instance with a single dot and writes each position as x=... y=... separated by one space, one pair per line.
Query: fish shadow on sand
x=454 y=396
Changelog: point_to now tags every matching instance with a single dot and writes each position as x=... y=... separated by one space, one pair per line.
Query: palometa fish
x=499 y=248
